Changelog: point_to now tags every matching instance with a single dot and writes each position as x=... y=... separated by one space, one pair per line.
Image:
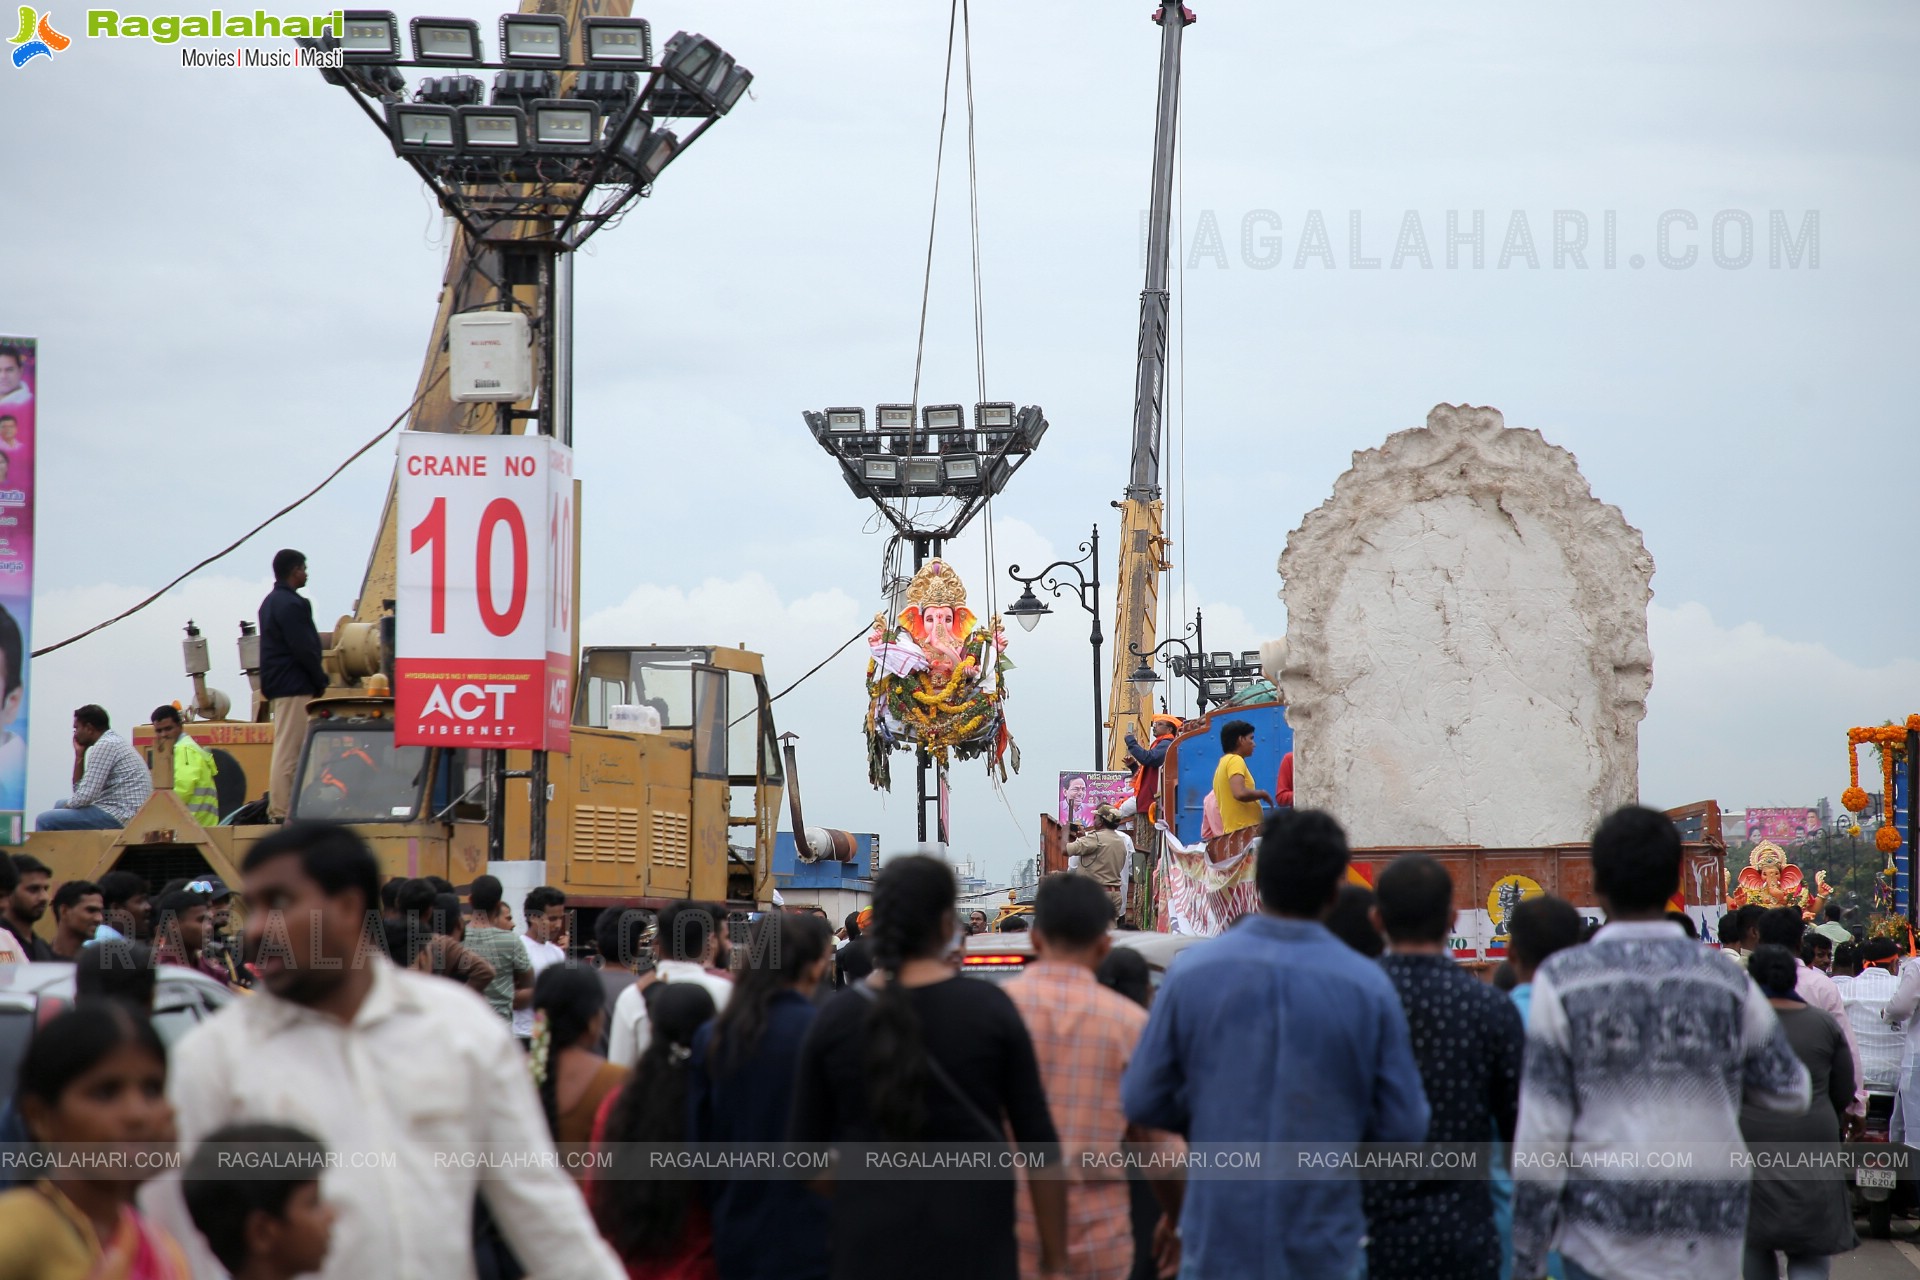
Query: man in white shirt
x=1866 y=996
x=394 y=1071
x=546 y=943
x=687 y=941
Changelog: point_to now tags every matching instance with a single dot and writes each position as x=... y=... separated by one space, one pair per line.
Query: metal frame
x=1190 y=663
x=579 y=199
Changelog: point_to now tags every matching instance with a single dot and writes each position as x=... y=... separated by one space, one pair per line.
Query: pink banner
x=19 y=385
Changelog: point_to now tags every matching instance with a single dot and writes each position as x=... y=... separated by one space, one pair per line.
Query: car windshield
x=356 y=774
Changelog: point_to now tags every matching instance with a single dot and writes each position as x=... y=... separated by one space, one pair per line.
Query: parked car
x=996 y=957
x=31 y=994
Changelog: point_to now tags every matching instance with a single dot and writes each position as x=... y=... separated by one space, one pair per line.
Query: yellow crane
x=1143 y=544
x=629 y=815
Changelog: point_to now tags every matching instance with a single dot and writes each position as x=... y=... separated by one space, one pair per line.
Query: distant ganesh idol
x=1769 y=880
x=934 y=683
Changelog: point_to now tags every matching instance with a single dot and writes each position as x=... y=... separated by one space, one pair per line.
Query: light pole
x=571 y=137
x=1029 y=609
x=1216 y=677
x=933 y=452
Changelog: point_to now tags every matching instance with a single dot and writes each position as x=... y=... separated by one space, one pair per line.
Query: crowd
x=392 y=1065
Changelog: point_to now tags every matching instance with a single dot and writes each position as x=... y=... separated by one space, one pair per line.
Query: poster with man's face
x=19 y=396
x=1782 y=826
x=1082 y=793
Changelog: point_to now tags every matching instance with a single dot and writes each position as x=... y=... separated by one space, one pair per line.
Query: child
x=247 y=1191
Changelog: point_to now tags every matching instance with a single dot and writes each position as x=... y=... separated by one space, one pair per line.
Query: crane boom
x=1142 y=544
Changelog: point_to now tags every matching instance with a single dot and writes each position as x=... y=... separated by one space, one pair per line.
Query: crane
x=1142 y=542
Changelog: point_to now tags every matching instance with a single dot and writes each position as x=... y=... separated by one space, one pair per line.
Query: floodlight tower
x=932 y=451
x=571 y=136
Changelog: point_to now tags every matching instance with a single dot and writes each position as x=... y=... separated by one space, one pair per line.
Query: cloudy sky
x=234 y=279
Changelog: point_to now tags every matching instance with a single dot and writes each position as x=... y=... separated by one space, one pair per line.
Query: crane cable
x=237 y=543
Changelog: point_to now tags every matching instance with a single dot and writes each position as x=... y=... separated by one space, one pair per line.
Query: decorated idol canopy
x=934 y=683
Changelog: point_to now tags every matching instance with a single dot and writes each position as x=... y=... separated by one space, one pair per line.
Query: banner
x=19 y=383
x=1782 y=826
x=483 y=649
x=1081 y=793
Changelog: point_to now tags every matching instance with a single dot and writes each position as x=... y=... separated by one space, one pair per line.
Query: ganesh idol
x=934 y=683
x=1769 y=880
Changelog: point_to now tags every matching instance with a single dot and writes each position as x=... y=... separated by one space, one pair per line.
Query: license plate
x=1880 y=1178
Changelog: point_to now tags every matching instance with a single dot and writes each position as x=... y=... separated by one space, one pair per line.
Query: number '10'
x=431 y=533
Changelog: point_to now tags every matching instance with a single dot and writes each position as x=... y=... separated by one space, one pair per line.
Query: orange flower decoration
x=1887 y=839
x=1853 y=799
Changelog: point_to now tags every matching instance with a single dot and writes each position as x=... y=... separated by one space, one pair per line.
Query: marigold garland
x=1891 y=741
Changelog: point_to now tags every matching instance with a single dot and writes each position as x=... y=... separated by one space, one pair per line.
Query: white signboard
x=483 y=649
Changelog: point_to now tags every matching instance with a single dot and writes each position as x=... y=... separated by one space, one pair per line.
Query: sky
x=233 y=280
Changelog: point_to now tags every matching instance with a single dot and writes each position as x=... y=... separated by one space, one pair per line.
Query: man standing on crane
x=290 y=671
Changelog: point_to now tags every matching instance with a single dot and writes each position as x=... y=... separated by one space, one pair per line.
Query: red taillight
x=972 y=960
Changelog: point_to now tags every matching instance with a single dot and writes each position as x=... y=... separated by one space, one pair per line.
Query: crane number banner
x=483 y=637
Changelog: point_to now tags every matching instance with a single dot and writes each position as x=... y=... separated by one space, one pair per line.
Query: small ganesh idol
x=1769 y=880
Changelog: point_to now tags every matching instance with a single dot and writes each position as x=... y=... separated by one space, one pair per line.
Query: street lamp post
x=1216 y=678
x=1029 y=609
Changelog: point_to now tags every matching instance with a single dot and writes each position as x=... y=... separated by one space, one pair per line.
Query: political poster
x=1782 y=826
x=485 y=580
x=1082 y=793
x=19 y=390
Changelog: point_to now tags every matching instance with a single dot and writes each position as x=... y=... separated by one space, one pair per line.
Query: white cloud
x=1746 y=717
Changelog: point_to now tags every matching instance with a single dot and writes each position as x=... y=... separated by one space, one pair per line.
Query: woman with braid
x=918 y=1055
x=569 y=1013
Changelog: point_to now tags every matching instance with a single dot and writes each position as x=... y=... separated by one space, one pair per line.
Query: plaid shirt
x=1083 y=1035
x=115 y=779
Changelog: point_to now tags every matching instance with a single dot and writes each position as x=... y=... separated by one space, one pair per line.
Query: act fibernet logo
x=38 y=37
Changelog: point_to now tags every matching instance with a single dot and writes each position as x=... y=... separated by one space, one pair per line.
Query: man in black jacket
x=290 y=671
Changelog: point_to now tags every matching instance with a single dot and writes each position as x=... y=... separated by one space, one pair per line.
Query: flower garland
x=1891 y=741
x=540 y=1049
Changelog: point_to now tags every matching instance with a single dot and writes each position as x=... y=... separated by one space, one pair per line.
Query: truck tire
x=1880 y=1218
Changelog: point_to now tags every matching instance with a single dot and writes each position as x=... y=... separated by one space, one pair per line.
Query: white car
x=32 y=993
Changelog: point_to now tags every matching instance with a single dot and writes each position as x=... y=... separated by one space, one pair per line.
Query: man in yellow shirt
x=1233 y=788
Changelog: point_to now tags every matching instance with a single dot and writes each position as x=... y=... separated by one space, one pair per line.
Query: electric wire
x=237 y=543
x=814 y=670
x=933 y=219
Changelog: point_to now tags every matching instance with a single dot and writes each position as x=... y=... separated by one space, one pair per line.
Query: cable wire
x=933 y=219
x=237 y=543
x=864 y=628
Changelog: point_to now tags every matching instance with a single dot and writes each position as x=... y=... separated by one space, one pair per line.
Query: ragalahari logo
x=37 y=38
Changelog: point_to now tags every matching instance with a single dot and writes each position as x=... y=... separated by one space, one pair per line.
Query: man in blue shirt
x=1278 y=1032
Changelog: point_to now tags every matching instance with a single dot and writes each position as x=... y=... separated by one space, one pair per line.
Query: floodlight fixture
x=1032 y=424
x=963 y=468
x=1218 y=691
x=994 y=415
x=421 y=130
x=493 y=130
x=647 y=150
x=369 y=35
x=880 y=468
x=942 y=417
x=533 y=39
x=618 y=42
x=446 y=40
x=816 y=426
x=734 y=89
x=565 y=126
x=613 y=90
x=1249 y=663
x=694 y=57
x=524 y=88
x=1221 y=662
x=451 y=91
x=923 y=471
x=842 y=421
x=1028 y=609
x=894 y=418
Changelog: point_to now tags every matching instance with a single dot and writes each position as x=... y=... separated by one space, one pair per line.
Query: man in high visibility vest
x=194 y=767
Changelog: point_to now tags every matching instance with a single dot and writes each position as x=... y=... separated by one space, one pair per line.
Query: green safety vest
x=194 y=769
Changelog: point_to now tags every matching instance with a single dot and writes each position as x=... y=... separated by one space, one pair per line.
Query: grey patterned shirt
x=1643 y=1041
x=115 y=779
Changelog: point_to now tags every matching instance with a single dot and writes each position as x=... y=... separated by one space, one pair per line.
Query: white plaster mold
x=1466 y=658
